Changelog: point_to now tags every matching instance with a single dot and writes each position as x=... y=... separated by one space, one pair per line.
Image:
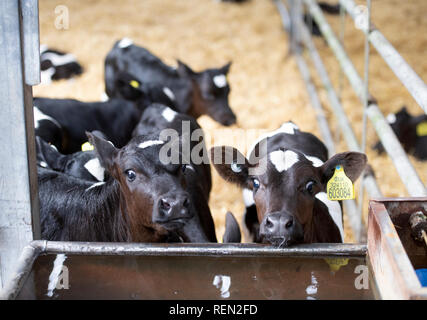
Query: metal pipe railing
x=413 y=83
x=391 y=144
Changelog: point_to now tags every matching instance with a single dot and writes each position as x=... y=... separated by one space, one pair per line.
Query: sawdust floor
x=267 y=88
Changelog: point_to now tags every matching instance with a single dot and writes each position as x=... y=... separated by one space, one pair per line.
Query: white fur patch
x=282 y=161
x=316 y=161
x=95 y=169
x=334 y=209
x=43 y=48
x=104 y=97
x=287 y=127
x=43 y=164
x=248 y=197
x=58 y=59
x=223 y=283
x=169 y=93
x=149 y=143
x=169 y=114
x=220 y=80
x=39 y=116
x=124 y=43
x=46 y=75
x=97 y=184
x=56 y=272
x=391 y=118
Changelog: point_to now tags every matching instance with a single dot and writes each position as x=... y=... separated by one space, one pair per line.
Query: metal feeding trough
x=72 y=270
x=394 y=254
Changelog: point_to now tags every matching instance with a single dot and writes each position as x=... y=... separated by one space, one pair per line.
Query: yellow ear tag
x=87 y=146
x=422 y=129
x=336 y=263
x=134 y=84
x=340 y=187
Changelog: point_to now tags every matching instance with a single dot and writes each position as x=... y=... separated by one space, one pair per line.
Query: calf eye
x=256 y=184
x=131 y=175
x=309 y=187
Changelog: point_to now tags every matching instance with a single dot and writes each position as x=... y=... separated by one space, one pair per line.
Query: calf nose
x=280 y=228
x=228 y=119
x=173 y=207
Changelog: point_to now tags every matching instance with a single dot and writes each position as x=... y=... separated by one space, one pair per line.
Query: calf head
x=287 y=187
x=155 y=195
x=82 y=165
x=210 y=93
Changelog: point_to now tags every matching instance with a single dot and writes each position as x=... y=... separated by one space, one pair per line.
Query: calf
x=285 y=186
x=194 y=93
x=48 y=129
x=83 y=165
x=411 y=132
x=56 y=65
x=144 y=201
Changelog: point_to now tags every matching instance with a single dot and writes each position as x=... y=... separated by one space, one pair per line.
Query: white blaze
x=283 y=160
x=316 y=161
x=169 y=114
x=125 y=42
x=149 y=143
x=95 y=169
x=334 y=210
x=220 y=80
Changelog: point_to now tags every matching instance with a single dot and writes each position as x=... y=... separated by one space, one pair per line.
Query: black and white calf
x=194 y=93
x=83 y=165
x=285 y=186
x=411 y=132
x=56 y=65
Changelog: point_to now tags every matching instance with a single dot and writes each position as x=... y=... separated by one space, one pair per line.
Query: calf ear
x=184 y=71
x=105 y=150
x=352 y=162
x=48 y=156
x=225 y=69
x=231 y=165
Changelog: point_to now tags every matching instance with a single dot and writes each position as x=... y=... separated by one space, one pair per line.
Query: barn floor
x=267 y=88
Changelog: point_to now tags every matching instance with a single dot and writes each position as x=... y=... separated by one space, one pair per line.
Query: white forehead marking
x=97 y=184
x=46 y=75
x=287 y=127
x=248 y=197
x=391 y=118
x=220 y=80
x=283 y=160
x=334 y=209
x=316 y=161
x=39 y=116
x=95 y=169
x=43 y=164
x=169 y=93
x=149 y=143
x=54 y=275
x=125 y=42
x=169 y=114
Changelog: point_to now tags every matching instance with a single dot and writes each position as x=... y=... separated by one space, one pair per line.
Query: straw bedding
x=267 y=88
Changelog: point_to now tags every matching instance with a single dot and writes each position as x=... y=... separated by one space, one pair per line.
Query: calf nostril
x=268 y=223
x=186 y=203
x=164 y=204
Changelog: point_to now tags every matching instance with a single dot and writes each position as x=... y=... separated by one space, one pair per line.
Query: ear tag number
x=236 y=167
x=340 y=187
x=134 y=84
x=87 y=146
x=422 y=129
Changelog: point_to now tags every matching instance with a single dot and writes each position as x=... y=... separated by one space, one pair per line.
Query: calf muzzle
x=281 y=229
x=173 y=211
